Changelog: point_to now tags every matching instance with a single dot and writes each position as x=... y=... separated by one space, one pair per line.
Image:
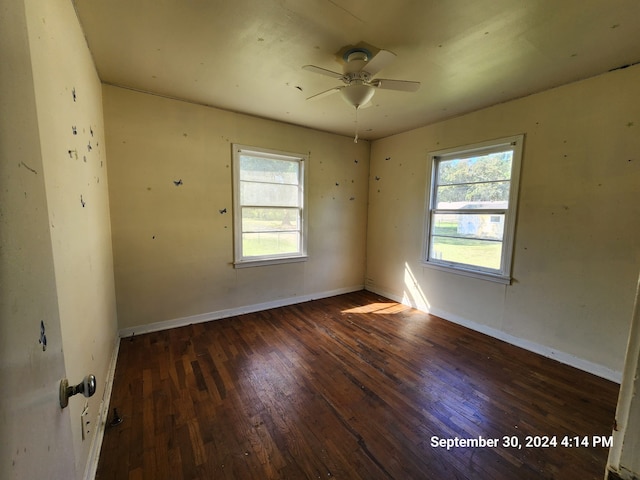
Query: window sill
x=492 y=277
x=268 y=261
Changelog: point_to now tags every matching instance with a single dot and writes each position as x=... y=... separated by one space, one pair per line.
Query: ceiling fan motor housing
x=355 y=77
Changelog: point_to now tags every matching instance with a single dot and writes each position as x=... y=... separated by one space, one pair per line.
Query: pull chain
x=355 y=140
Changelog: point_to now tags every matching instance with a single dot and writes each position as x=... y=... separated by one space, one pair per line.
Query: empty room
x=278 y=239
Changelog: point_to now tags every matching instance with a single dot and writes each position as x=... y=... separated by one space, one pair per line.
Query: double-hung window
x=472 y=208
x=269 y=206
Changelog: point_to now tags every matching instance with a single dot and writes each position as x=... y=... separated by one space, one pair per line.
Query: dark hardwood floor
x=350 y=387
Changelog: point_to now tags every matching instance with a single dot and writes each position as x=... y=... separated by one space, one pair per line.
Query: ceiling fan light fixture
x=358 y=94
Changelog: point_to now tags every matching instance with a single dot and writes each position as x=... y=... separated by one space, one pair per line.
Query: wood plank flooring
x=350 y=387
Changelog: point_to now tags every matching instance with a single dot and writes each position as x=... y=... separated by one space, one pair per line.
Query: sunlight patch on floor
x=379 y=307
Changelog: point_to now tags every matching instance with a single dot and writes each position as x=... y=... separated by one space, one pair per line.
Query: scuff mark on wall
x=34 y=171
x=43 y=336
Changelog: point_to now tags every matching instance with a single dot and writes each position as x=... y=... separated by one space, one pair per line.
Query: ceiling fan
x=359 y=69
x=359 y=85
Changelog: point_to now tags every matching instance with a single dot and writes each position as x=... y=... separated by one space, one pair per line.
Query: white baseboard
x=558 y=355
x=96 y=443
x=231 y=312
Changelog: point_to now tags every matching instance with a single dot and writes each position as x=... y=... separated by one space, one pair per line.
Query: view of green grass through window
x=469 y=207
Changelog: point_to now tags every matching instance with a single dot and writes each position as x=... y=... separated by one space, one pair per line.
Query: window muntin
x=471 y=208
x=269 y=206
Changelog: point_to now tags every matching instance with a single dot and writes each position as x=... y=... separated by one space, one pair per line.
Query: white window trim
x=254 y=261
x=504 y=274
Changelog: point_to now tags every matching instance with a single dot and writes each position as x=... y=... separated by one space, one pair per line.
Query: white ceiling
x=246 y=55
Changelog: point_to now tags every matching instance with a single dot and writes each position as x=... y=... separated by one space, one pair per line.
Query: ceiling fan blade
x=325 y=93
x=379 y=61
x=322 y=71
x=400 y=85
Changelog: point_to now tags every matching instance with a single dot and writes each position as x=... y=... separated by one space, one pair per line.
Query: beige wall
x=173 y=249
x=35 y=434
x=77 y=205
x=576 y=253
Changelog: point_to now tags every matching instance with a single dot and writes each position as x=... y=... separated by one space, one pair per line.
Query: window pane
x=469 y=225
x=269 y=170
x=475 y=195
x=268 y=205
x=268 y=194
x=269 y=219
x=494 y=166
x=270 y=243
x=468 y=251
